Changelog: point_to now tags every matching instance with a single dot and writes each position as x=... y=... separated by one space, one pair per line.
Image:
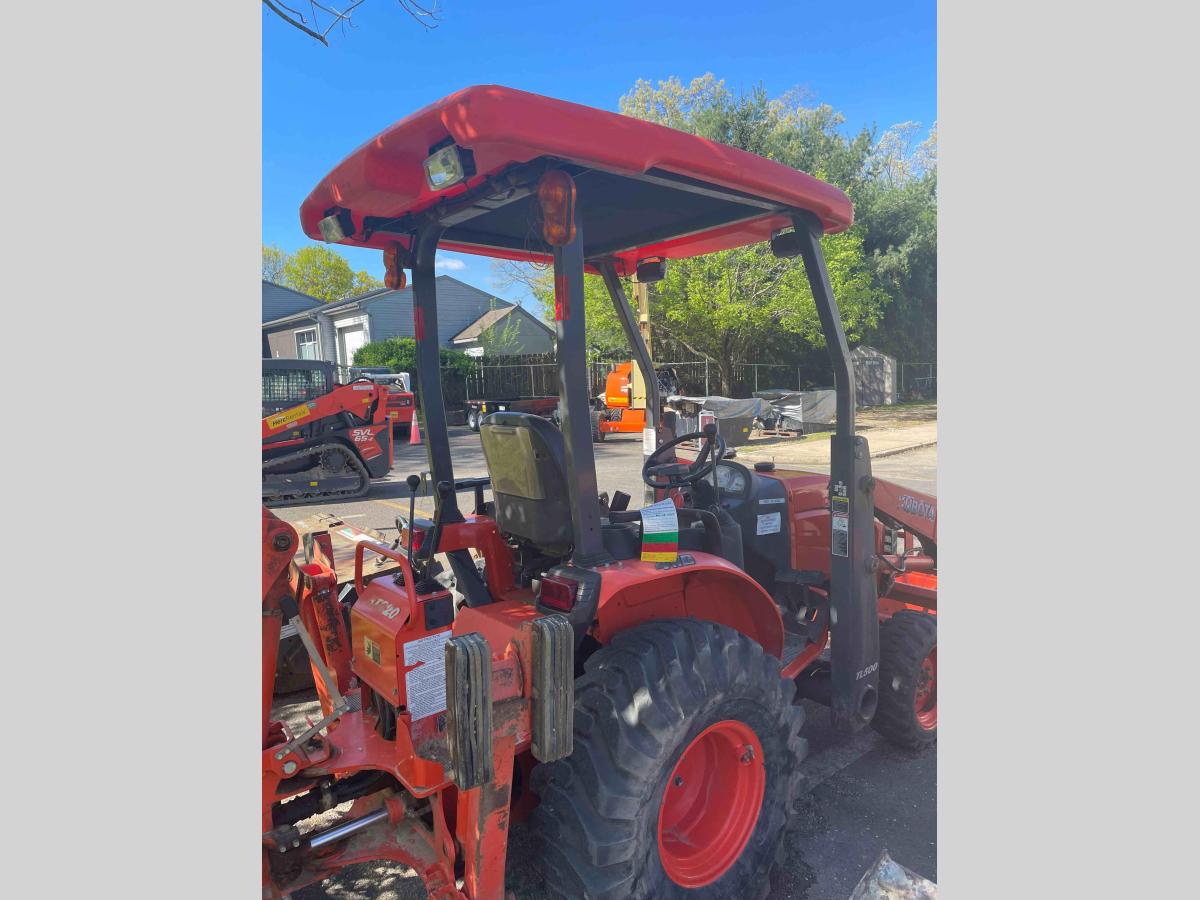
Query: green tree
x=503 y=337
x=604 y=334
x=273 y=260
x=897 y=208
x=731 y=306
x=744 y=304
x=318 y=271
x=399 y=354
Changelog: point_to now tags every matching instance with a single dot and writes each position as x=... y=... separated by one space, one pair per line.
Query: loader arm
x=914 y=511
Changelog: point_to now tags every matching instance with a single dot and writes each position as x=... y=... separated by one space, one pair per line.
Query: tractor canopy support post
x=633 y=334
x=574 y=408
x=852 y=585
x=429 y=373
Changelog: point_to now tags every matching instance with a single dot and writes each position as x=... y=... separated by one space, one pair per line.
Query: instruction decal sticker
x=768 y=523
x=425 y=685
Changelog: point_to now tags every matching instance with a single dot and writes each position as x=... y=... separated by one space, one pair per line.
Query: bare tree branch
x=418 y=12
x=426 y=17
x=297 y=23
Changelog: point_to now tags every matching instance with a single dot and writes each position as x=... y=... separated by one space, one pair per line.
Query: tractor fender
x=711 y=589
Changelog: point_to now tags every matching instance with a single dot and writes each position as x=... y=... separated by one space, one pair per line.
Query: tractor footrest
x=553 y=688
x=469 y=709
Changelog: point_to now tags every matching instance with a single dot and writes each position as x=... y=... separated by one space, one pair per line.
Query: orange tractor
x=629 y=678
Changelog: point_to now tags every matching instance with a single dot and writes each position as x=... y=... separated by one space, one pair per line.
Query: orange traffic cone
x=414 y=433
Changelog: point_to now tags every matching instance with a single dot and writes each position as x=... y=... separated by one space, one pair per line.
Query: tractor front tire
x=686 y=764
x=907 y=712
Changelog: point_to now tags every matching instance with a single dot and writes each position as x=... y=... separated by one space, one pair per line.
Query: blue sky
x=875 y=62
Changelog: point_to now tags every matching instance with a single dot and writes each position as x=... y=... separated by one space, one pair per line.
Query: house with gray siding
x=279 y=301
x=504 y=330
x=334 y=331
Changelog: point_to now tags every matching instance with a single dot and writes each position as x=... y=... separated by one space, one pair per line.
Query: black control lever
x=414 y=482
x=429 y=545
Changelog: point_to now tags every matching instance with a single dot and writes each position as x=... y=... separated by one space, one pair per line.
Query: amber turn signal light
x=394 y=259
x=556 y=196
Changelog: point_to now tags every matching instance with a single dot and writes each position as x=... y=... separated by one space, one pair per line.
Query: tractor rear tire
x=907 y=712
x=293 y=668
x=665 y=700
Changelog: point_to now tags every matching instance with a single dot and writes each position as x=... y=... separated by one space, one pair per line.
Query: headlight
x=337 y=225
x=448 y=166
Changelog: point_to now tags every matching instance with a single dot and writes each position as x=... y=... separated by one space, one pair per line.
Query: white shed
x=874 y=377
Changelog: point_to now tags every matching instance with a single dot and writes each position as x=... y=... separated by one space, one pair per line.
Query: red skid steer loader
x=321 y=440
x=627 y=677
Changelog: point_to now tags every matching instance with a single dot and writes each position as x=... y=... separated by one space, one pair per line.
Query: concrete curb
x=882 y=453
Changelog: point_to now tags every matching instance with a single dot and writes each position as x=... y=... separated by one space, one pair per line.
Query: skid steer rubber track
x=289 y=489
x=615 y=819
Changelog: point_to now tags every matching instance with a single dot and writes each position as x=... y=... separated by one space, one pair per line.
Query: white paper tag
x=768 y=523
x=649 y=441
x=425 y=686
x=659 y=518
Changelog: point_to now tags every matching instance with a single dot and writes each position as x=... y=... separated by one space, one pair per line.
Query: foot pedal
x=469 y=709
x=553 y=688
x=620 y=501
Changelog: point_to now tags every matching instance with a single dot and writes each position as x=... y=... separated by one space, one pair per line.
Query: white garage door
x=349 y=340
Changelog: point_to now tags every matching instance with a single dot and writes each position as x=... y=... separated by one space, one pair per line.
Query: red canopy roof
x=644 y=189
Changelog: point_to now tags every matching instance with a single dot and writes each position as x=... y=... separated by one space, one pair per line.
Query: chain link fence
x=537 y=376
x=917 y=381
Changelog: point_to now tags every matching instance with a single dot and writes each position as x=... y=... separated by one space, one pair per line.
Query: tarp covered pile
x=799 y=410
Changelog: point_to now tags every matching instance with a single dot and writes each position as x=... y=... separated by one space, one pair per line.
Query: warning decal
x=839 y=509
x=841 y=535
x=425 y=685
x=768 y=523
x=371 y=649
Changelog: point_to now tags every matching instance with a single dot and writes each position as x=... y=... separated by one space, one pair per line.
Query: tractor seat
x=526 y=460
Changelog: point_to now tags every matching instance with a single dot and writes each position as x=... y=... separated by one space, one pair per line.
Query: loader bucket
x=888 y=880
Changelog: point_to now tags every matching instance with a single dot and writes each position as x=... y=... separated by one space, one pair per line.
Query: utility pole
x=643 y=301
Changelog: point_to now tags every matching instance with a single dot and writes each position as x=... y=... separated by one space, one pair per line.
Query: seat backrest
x=526 y=461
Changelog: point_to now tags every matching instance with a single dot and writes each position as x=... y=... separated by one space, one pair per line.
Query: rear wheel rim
x=925 y=701
x=711 y=803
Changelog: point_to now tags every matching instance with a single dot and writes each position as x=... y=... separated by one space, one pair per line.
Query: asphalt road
x=861 y=795
x=618 y=467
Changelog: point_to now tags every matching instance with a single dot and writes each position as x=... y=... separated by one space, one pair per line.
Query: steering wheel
x=678 y=474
